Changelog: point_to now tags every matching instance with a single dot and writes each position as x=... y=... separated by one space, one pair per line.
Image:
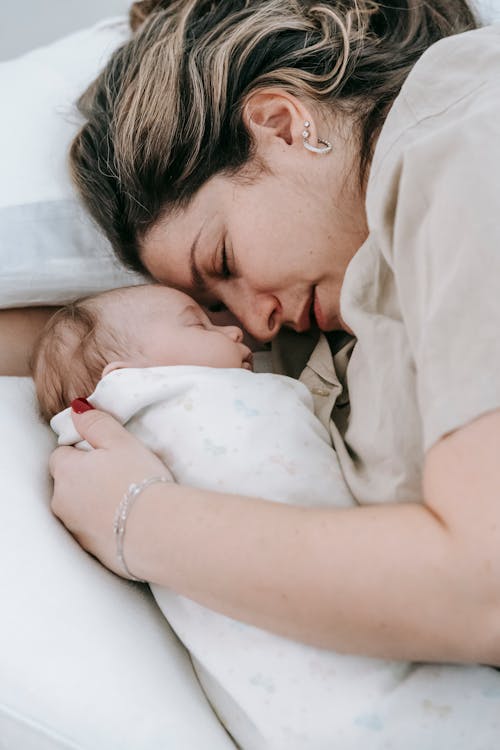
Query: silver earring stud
x=306 y=134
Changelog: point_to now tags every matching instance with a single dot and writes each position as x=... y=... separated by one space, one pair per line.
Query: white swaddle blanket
x=256 y=434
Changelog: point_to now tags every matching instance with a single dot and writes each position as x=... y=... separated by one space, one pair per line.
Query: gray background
x=26 y=24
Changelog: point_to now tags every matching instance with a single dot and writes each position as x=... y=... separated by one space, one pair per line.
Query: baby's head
x=140 y=326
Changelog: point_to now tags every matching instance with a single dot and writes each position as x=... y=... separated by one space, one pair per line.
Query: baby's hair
x=70 y=355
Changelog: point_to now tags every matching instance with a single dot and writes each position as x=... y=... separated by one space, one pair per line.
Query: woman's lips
x=312 y=315
x=304 y=321
x=318 y=312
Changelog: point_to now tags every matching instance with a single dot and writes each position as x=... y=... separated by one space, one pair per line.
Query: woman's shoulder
x=452 y=80
x=452 y=69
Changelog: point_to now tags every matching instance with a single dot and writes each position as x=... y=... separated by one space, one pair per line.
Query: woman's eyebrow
x=197 y=281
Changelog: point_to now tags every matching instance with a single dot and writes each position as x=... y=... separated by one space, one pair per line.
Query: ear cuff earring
x=306 y=134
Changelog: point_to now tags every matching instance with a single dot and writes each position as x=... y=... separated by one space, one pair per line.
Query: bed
x=87 y=660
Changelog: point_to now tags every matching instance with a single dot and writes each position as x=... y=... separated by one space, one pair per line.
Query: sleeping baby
x=151 y=357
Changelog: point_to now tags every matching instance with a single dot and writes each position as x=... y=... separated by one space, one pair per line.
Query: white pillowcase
x=50 y=252
x=87 y=660
x=489 y=10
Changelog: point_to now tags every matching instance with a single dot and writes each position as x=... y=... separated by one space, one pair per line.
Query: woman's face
x=274 y=250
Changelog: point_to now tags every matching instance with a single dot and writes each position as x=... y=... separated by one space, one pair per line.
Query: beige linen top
x=422 y=294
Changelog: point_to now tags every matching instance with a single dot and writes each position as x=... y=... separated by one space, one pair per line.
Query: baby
x=151 y=356
x=138 y=326
x=185 y=387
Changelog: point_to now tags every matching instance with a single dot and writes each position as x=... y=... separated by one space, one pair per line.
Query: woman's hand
x=88 y=485
x=290 y=569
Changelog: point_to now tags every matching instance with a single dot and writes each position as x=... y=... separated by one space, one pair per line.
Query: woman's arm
x=19 y=329
x=407 y=581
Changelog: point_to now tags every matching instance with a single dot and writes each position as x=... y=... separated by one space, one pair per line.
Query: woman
x=262 y=155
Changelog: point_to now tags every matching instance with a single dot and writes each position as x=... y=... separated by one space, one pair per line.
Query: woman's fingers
x=99 y=429
x=88 y=484
x=58 y=458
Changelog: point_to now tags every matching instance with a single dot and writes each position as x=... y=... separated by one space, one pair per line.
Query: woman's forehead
x=179 y=252
x=169 y=242
x=165 y=250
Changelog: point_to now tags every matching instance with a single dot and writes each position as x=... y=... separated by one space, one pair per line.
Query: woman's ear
x=114 y=366
x=274 y=114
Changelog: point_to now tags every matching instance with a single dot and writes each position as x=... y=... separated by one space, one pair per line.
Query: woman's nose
x=261 y=316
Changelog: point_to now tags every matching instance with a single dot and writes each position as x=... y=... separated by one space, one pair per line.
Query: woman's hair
x=70 y=355
x=166 y=114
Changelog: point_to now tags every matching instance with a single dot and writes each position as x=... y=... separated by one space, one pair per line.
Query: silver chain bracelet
x=121 y=516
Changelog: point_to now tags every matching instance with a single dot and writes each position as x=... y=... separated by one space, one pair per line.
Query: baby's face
x=166 y=327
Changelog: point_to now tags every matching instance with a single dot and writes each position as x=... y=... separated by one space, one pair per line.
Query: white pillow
x=87 y=660
x=489 y=10
x=50 y=252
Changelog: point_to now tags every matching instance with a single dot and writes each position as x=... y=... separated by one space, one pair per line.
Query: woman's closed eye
x=224 y=270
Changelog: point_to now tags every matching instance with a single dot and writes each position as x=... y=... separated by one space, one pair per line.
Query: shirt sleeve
x=445 y=249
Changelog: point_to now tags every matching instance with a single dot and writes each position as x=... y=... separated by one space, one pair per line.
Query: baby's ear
x=114 y=366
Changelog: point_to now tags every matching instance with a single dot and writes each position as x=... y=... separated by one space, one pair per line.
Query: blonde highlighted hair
x=166 y=114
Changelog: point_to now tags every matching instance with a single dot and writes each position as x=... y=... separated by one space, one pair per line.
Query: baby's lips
x=247 y=363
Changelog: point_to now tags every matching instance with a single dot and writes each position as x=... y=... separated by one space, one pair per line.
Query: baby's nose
x=234 y=333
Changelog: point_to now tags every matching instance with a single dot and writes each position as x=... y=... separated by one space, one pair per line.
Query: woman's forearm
x=383 y=580
x=19 y=329
x=405 y=581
